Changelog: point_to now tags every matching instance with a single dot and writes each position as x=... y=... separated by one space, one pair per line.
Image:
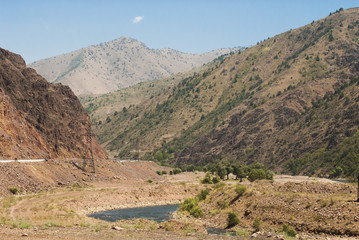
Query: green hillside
x=288 y=96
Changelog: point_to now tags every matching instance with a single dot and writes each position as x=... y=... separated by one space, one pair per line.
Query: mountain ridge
x=287 y=96
x=123 y=62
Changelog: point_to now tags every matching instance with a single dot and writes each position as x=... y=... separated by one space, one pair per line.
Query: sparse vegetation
x=190 y=205
x=240 y=189
x=232 y=219
x=13 y=190
x=288 y=230
x=257 y=224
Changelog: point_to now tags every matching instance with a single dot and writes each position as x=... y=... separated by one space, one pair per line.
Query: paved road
x=22 y=160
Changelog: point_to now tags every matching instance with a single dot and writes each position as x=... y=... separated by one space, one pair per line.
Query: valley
x=289 y=99
x=250 y=143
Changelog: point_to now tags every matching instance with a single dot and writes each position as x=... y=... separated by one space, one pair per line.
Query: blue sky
x=39 y=29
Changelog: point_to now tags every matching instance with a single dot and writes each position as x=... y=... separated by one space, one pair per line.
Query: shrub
x=150 y=181
x=222 y=204
x=164 y=172
x=202 y=196
x=256 y=174
x=207 y=179
x=289 y=231
x=191 y=206
x=13 y=190
x=269 y=175
x=177 y=170
x=216 y=179
x=257 y=224
x=240 y=189
x=232 y=220
x=159 y=172
x=196 y=212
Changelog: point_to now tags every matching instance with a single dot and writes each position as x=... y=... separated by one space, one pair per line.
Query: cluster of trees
x=253 y=172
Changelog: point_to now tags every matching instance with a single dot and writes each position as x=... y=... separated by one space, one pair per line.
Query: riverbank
x=61 y=212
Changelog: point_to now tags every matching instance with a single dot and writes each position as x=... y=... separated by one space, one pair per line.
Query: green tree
x=240 y=172
x=222 y=172
x=336 y=172
x=256 y=174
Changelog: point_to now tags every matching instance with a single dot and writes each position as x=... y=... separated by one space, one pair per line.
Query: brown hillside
x=39 y=119
x=289 y=95
x=306 y=97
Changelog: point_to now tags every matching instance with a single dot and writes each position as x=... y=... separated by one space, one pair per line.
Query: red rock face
x=39 y=119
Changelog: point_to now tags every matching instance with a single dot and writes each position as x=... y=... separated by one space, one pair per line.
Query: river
x=154 y=213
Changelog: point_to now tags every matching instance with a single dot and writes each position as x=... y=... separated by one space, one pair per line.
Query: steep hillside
x=101 y=106
x=123 y=62
x=287 y=96
x=137 y=129
x=39 y=119
x=303 y=95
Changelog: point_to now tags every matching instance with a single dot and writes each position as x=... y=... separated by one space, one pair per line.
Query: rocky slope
x=39 y=119
x=305 y=206
x=123 y=62
x=279 y=100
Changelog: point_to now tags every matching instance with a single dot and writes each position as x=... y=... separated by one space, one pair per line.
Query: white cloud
x=137 y=19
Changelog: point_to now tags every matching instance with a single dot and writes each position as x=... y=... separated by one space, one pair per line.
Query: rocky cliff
x=39 y=119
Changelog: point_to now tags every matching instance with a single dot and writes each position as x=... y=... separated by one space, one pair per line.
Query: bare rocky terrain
x=120 y=63
x=40 y=119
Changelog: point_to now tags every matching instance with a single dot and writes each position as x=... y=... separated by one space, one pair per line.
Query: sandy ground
x=60 y=213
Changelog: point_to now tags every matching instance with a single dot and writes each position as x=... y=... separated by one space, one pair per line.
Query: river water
x=155 y=213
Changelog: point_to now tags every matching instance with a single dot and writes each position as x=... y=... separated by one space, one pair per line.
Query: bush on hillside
x=202 y=196
x=257 y=224
x=191 y=206
x=232 y=219
x=13 y=190
x=240 y=190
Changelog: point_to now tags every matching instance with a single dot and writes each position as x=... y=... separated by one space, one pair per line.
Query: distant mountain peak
x=123 y=62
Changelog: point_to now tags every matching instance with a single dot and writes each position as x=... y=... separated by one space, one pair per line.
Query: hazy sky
x=39 y=29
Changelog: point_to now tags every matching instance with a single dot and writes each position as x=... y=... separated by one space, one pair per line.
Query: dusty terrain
x=55 y=212
x=307 y=205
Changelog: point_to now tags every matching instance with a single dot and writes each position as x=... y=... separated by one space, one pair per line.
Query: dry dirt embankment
x=64 y=195
x=310 y=205
x=39 y=176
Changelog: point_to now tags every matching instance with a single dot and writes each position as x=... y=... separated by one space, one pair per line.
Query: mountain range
x=288 y=100
x=117 y=64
